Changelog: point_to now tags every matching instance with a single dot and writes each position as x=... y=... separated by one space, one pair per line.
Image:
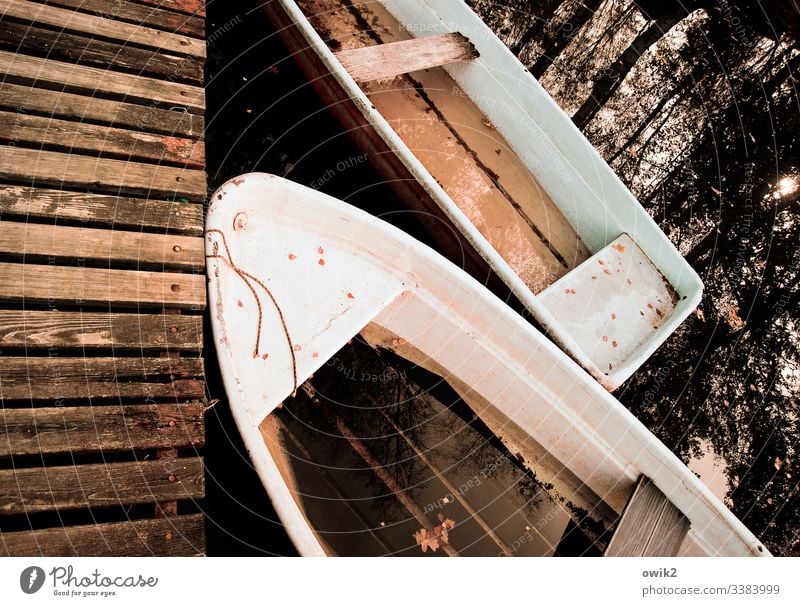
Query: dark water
x=437 y=464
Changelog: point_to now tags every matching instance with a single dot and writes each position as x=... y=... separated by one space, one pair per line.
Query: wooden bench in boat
x=650 y=525
x=383 y=61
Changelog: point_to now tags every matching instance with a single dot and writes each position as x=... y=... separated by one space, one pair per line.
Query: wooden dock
x=102 y=288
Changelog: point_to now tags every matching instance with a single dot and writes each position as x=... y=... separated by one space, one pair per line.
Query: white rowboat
x=295 y=274
x=471 y=138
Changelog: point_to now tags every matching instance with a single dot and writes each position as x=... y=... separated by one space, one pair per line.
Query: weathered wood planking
x=131 y=12
x=88 y=286
x=26 y=491
x=81 y=429
x=62 y=46
x=81 y=108
x=113 y=211
x=94 y=80
x=60 y=378
x=101 y=245
x=76 y=137
x=650 y=525
x=176 y=536
x=384 y=61
x=56 y=168
x=94 y=25
x=47 y=330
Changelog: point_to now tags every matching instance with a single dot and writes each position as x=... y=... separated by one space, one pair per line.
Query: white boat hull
x=332 y=270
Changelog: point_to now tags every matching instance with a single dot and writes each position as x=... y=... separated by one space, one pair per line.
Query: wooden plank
x=64 y=378
x=113 y=211
x=178 y=536
x=189 y=7
x=101 y=245
x=669 y=533
x=53 y=330
x=650 y=525
x=51 y=369
x=93 y=25
x=385 y=61
x=108 y=141
x=93 y=80
x=54 y=285
x=59 y=104
x=59 y=390
x=26 y=491
x=32 y=166
x=73 y=48
x=82 y=429
x=130 y=12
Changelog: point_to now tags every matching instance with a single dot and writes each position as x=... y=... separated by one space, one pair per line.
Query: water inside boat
x=459 y=146
x=384 y=458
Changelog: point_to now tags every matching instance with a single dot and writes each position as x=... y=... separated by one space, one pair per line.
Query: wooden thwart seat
x=650 y=525
x=384 y=61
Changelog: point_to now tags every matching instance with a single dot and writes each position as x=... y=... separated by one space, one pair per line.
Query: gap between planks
x=39 y=132
x=93 y=80
x=90 y=109
x=73 y=48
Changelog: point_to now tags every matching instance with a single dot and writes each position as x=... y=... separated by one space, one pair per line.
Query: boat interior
x=603 y=314
x=384 y=458
x=459 y=146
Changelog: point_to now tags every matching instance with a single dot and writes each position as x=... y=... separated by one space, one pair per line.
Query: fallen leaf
x=425 y=542
x=700 y=315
